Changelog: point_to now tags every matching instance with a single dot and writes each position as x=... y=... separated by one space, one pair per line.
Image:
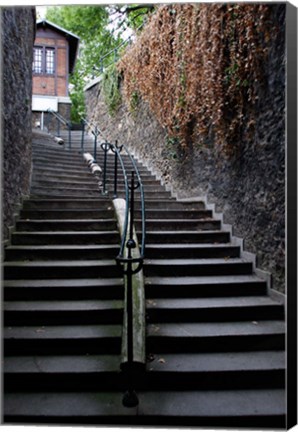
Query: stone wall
x=249 y=189
x=17 y=36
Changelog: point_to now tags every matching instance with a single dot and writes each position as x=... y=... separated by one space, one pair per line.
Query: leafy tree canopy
x=90 y=23
x=101 y=29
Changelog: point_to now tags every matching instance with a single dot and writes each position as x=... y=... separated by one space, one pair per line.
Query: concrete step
x=59 y=312
x=196 y=267
x=66 y=339
x=86 y=177
x=187 y=237
x=180 y=224
x=219 y=408
x=235 y=370
x=215 y=336
x=177 y=250
x=87 y=184
x=68 y=252
x=216 y=371
x=214 y=309
x=67 y=193
x=63 y=289
x=176 y=214
x=78 y=191
x=100 y=203
x=66 y=225
x=65 y=238
x=50 y=172
x=50 y=373
x=67 y=214
x=61 y=269
x=74 y=166
x=106 y=214
x=204 y=286
x=105 y=203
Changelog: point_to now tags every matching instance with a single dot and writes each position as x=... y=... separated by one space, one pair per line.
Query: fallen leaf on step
x=151 y=302
x=255 y=322
x=227 y=258
x=161 y=360
x=40 y=330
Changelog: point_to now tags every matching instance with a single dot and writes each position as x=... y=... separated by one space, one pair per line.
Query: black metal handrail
x=94 y=129
x=130 y=263
x=61 y=120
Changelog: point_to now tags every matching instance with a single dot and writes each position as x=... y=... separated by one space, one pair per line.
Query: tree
x=90 y=23
x=101 y=29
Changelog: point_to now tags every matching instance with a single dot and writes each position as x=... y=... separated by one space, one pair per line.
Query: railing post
x=95 y=143
x=105 y=146
x=130 y=398
x=58 y=128
x=83 y=135
x=115 y=171
x=69 y=135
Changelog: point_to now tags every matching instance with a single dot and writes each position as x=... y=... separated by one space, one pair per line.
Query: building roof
x=72 y=39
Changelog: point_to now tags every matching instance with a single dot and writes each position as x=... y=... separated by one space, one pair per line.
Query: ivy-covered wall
x=17 y=37
x=240 y=169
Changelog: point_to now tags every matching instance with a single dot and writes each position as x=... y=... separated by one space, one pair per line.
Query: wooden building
x=54 y=57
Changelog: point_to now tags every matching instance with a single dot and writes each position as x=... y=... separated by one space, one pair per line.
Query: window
x=37 y=60
x=44 y=60
x=50 y=60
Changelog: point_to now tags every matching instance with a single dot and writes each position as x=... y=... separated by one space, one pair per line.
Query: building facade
x=54 y=56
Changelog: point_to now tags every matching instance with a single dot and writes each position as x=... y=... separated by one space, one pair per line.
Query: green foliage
x=134 y=100
x=90 y=23
x=111 y=90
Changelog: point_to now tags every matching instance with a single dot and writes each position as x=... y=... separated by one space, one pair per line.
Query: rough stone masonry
x=249 y=189
x=17 y=34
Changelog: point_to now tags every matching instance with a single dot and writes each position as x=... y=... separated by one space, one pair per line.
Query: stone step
x=219 y=408
x=72 y=166
x=100 y=203
x=105 y=203
x=232 y=370
x=64 y=289
x=177 y=250
x=106 y=214
x=65 y=238
x=83 y=173
x=66 y=225
x=67 y=214
x=180 y=224
x=68 y=252
x=65 y=339
x=78 y=191
x=61 y=269
x=63 y=372
x=165 y=310
x=204 y=286
x=187 y=237
x=58 y=312
x=215 y=336
x=86 y=177
x=196 y=267
x=88 y=185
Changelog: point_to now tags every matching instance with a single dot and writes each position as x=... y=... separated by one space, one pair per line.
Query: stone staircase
x=215 y=338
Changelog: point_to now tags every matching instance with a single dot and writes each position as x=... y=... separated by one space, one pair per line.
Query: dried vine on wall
x=200 y=68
